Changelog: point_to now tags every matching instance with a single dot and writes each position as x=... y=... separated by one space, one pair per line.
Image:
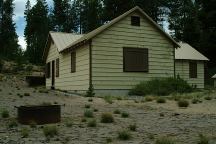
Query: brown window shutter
x=48 y=70
x=73 y=62
x=193 y=69
x=57 y=67
x=135 y=59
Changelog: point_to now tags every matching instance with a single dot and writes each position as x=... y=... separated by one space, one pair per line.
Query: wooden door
x=53 y=74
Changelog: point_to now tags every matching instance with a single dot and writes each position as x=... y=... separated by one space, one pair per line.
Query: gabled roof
x=97 y=31
x=187 y=52
x=63 y=40
x=214 y=76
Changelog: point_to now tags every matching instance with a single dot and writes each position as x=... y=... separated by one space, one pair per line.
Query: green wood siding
x=107 y=54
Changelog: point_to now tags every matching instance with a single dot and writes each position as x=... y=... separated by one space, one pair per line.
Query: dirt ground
x=153 y=120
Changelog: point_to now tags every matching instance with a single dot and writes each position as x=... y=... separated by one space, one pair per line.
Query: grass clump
x=208 y=98
x=88 y=113
x=69 y=123
x=183 y=103
x=92 y=123
x=164 y=140
x=161 y=87
x=50 y=131
x=203 y=139
x=95 y=110
x=107 y=118
x=119 y=98
x=24 y=133
x=13 y=123
x=109 y=140
x=108 y=99
x=195 y=101
x=149 y=98
x=90 y=100
x=161 y=100
x=124 y=135
x=117 y=111
x=132 y=127
x=124 y=114
x=83 y=119
x=87 y=106
x=5 y=113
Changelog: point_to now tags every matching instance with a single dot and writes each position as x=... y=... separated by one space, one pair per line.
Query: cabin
x=112 y=58
x=189 y=65
x=214 y=79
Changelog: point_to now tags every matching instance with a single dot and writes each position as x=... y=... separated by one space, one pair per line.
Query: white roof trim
x=214 y=76
x=187 y=52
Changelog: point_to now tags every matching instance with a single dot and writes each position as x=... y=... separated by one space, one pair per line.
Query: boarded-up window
x=193 y=69
x=73 y=62
x=57 y=67
x=135 y=59
x=48 y=70
x=135 y=21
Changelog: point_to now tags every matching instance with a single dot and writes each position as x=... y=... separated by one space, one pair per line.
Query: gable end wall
x=70 y=81
x=107 y=55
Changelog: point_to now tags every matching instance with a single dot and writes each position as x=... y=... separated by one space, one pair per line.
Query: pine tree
x=63 y=16
x=9 y=38
x=208 y=30
x=36 y=31
x=181 y=12
x=1 y=13
x=114 y=8
x=88 y=14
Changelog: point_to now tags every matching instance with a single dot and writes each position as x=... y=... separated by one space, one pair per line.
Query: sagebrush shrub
x=5 y=113
x=149 y=98
x=108 y=99
x=208 y=98
x=107 y=118
x=203 y=139
x=12 y=123
x=132 y=127
x=92 y=123
x=124 y=114
x=24 y=132
x=50 y=131
x=124 y=135
x=162 y=87
x=26 y=94
x=161 y=100
x=117 y=111
x=183 y=103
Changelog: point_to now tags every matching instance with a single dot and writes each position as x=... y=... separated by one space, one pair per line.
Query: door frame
x=53 y=75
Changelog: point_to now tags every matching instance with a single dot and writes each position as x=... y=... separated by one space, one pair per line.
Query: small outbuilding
x=189 y=65
x=214 y=79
